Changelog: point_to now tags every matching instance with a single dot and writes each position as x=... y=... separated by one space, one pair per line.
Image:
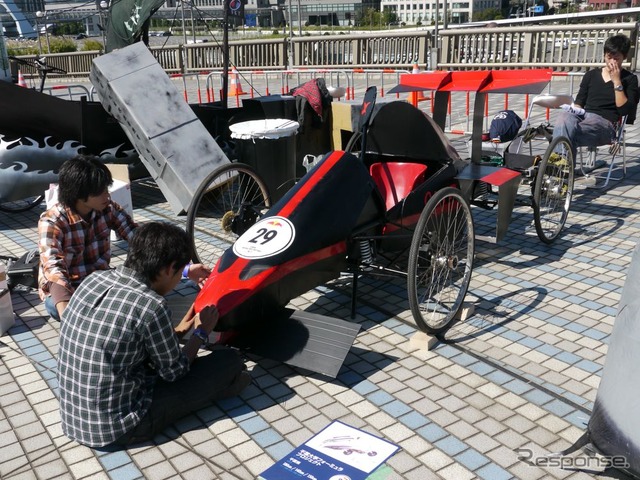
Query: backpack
x=505 y=125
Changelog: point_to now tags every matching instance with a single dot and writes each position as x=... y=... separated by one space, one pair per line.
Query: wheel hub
x=227 y=221
x=451 y=262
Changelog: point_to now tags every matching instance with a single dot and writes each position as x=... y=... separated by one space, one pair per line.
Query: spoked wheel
x=553 y=189
x=440 y=260
x=354 y=145
x=21 y=205
x=225 y=205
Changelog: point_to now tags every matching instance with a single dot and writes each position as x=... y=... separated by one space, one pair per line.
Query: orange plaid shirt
x=71 y=248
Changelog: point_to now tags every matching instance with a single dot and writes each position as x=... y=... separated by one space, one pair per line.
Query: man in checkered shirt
x=74 y=235
x=121 y=372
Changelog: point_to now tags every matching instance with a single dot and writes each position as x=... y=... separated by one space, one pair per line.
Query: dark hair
x=157 y=245
x=617 y=44
x=81 y=176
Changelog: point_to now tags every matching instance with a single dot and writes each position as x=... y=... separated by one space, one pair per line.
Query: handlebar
x=39 y=63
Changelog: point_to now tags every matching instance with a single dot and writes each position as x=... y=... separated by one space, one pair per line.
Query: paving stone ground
x=522 y=372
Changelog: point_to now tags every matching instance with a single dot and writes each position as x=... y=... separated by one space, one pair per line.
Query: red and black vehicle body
x=314 y=232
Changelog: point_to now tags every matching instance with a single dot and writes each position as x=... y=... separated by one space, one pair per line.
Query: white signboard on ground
x=339 y=452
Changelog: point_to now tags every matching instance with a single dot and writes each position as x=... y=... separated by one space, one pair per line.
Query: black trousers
x=211 y=377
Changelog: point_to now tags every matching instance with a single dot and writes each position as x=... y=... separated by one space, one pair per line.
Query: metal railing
x=380 y=50
x=563 y=48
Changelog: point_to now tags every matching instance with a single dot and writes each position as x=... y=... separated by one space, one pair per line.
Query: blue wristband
x=202 y=335
x=185 y=272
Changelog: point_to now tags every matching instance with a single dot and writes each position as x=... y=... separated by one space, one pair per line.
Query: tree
x=487 y=14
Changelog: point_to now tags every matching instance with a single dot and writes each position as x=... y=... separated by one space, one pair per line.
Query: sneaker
x=242 y=381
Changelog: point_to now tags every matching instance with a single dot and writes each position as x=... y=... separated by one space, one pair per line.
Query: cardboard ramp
x=306 y=340
x=301 y=339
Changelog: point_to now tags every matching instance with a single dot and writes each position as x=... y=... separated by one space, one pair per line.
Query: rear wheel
x=553 y=189
x=440 y=260
x=225 y=205
x=354 y=145
x=21 y=205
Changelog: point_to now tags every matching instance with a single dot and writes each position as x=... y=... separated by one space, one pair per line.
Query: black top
x=597 y=96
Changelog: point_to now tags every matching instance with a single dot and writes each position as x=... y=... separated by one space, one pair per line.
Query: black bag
x=505 y=125
x=24 y=270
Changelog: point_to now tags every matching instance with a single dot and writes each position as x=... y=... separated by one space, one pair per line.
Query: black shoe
x=242 y=381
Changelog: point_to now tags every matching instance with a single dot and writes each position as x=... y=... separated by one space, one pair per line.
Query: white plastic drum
x=270 y=128
x=269 y=146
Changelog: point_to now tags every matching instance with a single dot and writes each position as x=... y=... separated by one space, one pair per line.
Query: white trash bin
x=269 y=146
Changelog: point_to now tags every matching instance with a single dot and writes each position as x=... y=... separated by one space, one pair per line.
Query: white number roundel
x=269 y=237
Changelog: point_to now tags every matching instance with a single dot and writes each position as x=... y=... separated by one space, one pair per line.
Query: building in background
x=18 y=16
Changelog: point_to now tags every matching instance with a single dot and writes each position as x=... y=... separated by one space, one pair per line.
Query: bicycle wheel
x=354 y=145
x=21 y=205
x=553 y=189
x=226 y=204
x=440 y=260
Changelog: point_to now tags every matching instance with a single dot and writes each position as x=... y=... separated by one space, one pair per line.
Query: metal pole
x=46 y=34
x=39 y=38
x=290 y=37
x=104 y=35
x=193 y=27
x=299 y=19
x=225 y=54
x=433 y=57
x=184 y=30
x=446 y=13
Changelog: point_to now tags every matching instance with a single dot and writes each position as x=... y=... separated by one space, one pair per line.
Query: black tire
x=226 y=204
x=440 y=260
x=354 y=145
x=21 y=205
x=553 y=189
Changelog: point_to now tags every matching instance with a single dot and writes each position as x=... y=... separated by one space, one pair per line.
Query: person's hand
x=198 y=273
x=207 y=319
x=614 y=71
x=186 y=323
x=573 y=109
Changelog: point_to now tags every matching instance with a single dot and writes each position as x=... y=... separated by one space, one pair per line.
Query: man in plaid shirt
x=74 y=235
x=121 y=372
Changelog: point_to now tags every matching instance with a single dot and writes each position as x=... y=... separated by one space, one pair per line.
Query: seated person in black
x=605 y=95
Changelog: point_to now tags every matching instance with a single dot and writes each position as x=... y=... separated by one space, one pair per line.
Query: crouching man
x=122 y=374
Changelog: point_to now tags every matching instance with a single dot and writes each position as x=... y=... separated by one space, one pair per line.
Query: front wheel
x=440 y=260
x=230 y=200
x=553 y=189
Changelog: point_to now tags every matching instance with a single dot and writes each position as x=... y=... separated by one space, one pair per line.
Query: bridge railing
x=563 y=48
x=380 y=50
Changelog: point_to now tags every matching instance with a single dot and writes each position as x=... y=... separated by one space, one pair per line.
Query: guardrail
x=389 y=50
x=563 y=48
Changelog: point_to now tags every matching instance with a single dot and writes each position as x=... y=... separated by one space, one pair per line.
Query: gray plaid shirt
x=116 y=338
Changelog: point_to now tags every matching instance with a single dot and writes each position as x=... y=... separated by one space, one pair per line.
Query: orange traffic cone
x=21 y=80
x=235 y=87
x=416 y=97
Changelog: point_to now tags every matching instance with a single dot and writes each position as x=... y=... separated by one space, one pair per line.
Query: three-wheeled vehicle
x=397 y=204
x=395 y=209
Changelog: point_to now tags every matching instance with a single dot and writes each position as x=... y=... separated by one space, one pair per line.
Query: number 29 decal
x=268 y=237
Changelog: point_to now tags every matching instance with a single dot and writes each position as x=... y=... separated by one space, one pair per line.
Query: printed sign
x=269 y=237
x=339 y=452
x=236 y=8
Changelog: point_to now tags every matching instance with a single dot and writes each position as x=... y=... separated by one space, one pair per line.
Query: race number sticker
x=269 y=237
